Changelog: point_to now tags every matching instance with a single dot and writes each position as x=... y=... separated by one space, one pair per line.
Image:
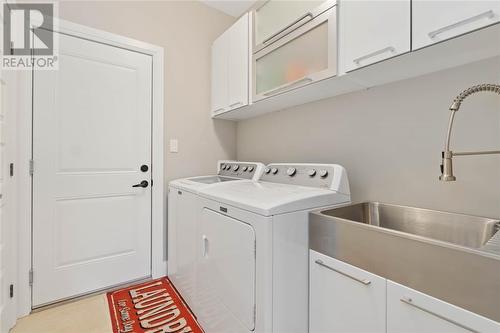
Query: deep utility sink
x=459 y=229
x=452 y=257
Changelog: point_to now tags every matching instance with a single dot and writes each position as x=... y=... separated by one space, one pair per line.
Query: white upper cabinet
x=344 y=298
x=220 y=56
x=238 y=63
x=305 y=55
x=230 y=67
x=435 y=21
x=276 y=18
x=411 y=311
x=371 y=31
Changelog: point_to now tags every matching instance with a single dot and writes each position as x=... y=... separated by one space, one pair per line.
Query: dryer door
x=226 y=279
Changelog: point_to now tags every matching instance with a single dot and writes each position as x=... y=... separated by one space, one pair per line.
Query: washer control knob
x=274 y=171
x=236 y=167
x=250 y=168
x=311 y=173
x=223 y=167
x=245 y=168
x=291 y=171
x=227 y=167
x=323 y=173
x=267 y=170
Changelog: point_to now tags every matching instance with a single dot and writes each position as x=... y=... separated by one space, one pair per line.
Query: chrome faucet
x=447 y=154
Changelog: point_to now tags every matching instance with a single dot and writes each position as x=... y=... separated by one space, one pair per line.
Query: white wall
x=186 y=30
x=390 y=139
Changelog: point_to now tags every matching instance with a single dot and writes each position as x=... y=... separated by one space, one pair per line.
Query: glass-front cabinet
x=276 y=18
x=304 y=55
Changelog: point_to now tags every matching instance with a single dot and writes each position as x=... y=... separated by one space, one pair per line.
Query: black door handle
x=143 y=184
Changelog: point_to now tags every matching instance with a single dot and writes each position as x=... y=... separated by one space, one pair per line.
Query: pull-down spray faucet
x=447 y=154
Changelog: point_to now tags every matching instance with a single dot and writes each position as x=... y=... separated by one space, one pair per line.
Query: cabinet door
x=411 y=311
x=306 y=55
x=371 y=31
x=182 y=226
x=275 y=18
x=344 y=298
x=435 y=21
x=220 y=57
x=238 y=63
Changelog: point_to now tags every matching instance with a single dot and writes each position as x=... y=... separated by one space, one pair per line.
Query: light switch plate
x=174 y=146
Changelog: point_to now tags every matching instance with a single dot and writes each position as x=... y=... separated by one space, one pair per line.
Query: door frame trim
x=25 y=128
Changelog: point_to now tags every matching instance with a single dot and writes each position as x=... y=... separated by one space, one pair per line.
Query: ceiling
x=231 y=7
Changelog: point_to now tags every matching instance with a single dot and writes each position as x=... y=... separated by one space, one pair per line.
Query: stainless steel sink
x=459 y=229
x=449 y=256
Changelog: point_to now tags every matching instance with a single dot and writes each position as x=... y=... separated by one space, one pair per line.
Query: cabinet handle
x=365 y=282
x=369 y=55
x=288 y=86
x=235 y=104
x=205 y=245
x=488 y=14
x=309 y=16
x=409 y=301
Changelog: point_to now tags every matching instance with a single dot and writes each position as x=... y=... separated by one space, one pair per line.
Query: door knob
x=143 y=184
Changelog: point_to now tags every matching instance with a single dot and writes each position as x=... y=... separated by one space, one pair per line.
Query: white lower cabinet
x=411 y=311
x=344 y=298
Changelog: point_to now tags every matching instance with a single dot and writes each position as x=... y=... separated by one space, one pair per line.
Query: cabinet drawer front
x=372 y=31
x=344 y=298
x=306 y=55
x=411 y=311
x=435 y=21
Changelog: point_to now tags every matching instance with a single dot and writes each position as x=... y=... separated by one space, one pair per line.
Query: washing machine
x=252 y=262
x=182 y=219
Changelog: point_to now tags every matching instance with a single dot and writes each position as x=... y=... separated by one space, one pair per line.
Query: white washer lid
x=266 y=198
x=194 y=184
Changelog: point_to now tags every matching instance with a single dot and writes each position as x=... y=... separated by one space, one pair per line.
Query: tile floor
x=89 y=315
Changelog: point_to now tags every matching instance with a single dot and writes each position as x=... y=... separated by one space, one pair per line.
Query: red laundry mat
x=150 y=307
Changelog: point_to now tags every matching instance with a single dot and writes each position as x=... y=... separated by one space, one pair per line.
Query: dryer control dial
x=323 y=173
x=267 y=170
x=274 y=171
x=245 y=168
x=250 y=168
x=236 y=167
x=311 y=173
x=291 y=171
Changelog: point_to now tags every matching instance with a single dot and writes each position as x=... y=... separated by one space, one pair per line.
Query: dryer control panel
x=330 y=176
x=244 y=170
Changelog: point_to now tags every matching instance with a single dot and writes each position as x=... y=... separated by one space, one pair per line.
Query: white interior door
x=91 y=135
x=8 y=264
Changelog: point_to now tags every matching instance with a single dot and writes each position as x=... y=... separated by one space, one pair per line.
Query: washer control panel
x=244 y=170
x=314 y=175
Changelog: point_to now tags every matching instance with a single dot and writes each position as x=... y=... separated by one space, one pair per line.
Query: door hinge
x=11 y=291
x=32 y=167
x=11 y=169
x=31 y=277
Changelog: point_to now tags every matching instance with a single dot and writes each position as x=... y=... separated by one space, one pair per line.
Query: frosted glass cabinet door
x=275 y=18
x=371 y=31
x=435 y=21
x=306 y=55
